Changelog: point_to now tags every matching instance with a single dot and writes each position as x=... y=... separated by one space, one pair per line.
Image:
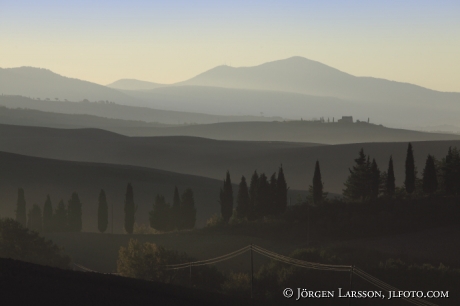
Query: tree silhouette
x=253 y=193
x=430 y=179
x=102 y=212
x=48 y=216
x=451 y=171
x=242 y=200
x=317 y=186
x=390 y=179
x=60 y=217
x=409 y=182
x=175 y=210
x=74 y=213
x=357 y=186
x=130 y=209
x=281 y=191
x=21 y=215
x=226 y=199
x=262 y=204
x=188 y=211
x=35 y=220
x=374 y=180
x=160 y=216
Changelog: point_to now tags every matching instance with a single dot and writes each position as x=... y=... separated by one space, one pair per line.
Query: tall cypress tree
x=21 y=215
x=102 y=212
x=242 y=200
x=262 y=205
x=35 y=220
x=253 y=193
x=451 y=171
x=374 y=180
x=390 y=179
x=317 y=187
x=357 y=185
x=281 y=192
x=409 y=182
x=226 y=199
x=272 y=208
x=130 y=209
x=175 y=210
x=160 y=216
x=48 y=216
x=430 y=179
x=60 y=218
x=74 y=213
x=188 y=210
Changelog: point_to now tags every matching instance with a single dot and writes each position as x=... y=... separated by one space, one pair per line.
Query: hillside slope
x=212 y=158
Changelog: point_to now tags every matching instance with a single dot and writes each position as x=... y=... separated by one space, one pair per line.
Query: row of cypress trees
x=181 y=215
x=62 y=219
x=367 y=182
x=262 y=198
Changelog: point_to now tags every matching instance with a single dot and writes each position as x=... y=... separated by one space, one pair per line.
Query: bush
x=149 y=261
x=18 y=242
x=237 y=284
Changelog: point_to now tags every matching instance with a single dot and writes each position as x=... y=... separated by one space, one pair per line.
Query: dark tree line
x=181 y=215
x=366 y=182
x=263 y=197
x=63 y=219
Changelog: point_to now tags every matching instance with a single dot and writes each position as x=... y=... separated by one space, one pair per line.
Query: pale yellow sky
x=419 y=45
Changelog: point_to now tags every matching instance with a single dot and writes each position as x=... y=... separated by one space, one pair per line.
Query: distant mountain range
x=292 y=88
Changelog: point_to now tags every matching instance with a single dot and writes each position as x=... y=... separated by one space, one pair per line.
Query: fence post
x=252 y=274
x=190 y=267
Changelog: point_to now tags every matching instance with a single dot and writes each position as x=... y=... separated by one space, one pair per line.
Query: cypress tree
x=242 y=200
x=102 y=212
x=74 y=213
x=409 y=182
x=430 y=180
x=451 y=171
x=48 y=216
x=160 y=215
x=130 y=209
x=21 y=208
x=60 y=217
x=262 y=205
x=175 y=210
x=226 y=199
x=272 y=208
x=188 y=210
x=390 y=179
x=357 y=185
x=35 y=220
x=253 y=192
x=281 y=192
x=317 y=187
x=374 y=180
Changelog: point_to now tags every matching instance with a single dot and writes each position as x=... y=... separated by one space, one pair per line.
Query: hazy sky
x=169 y=41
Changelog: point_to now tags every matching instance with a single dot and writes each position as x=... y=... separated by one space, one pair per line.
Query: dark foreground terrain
x=29 y=284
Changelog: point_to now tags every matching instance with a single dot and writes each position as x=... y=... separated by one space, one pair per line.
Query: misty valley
x=259 y=185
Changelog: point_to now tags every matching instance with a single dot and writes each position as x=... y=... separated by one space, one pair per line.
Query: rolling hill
x=132 y=84
x=105 y=110
x=59 y=179
x=212 y=158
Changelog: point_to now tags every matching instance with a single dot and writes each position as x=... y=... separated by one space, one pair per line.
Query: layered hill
x=291 y=131
x=105 y=110
x=212 y=158
x=40 y=177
